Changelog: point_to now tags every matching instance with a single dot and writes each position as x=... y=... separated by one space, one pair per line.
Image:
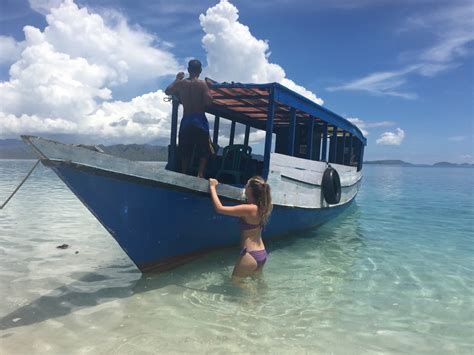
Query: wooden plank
x=315 y=177
x=278 y=159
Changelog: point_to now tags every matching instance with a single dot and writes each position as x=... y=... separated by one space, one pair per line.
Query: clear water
x=394 y=274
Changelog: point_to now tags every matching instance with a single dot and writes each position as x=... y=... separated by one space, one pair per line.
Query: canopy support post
x=232 y=133
x=325 y=143
x=333 y=146
x=174 y=133
x=247 y=135
x=309 y=143
x=269 y=133
x=291 y=133
x=215 y=135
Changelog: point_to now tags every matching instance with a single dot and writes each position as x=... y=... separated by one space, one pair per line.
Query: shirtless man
x=194 y=128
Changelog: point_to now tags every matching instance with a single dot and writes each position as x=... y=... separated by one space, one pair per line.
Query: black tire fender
x=331 y=186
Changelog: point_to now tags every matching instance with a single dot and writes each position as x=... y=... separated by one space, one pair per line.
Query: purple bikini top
x=244 y=226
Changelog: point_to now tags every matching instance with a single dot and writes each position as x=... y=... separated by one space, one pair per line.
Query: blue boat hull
x=158 y=225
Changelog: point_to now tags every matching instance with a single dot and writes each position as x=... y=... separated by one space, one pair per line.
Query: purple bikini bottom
x=260 y=256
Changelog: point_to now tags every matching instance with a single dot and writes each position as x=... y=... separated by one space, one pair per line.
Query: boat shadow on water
x=122 y=281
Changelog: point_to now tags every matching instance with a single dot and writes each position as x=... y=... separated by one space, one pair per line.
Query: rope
x=18 y=187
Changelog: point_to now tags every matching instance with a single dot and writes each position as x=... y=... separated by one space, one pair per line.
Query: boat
x=312 y=159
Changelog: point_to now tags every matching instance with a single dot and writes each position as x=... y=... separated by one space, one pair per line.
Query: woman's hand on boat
x=213 y=182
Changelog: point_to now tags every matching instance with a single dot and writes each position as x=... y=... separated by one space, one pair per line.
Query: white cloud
x=48 y=83
x=10 y=50
x=467 y=158
x=457 y=138
x=391 y=138
x=144 y=118
x=362 y=125
x=63 y=81
x=140 y=120
x=380 y=124
x=129 y=53
x=234 y=54
x=381 y=83
x=453 y=27
x=453 y=30
x=44 y=6
x=27 y=124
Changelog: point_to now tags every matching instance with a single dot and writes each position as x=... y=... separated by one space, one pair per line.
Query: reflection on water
x=393 y=274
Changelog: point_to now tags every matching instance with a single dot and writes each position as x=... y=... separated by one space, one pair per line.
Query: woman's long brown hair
x=261 y=193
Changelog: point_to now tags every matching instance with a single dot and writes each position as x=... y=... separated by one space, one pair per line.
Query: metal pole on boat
x=325 y=143
x=232 y=133
x=291 y=133
x=309 y=143
x=247 y=135
x=343 y=147
x=215 y=137
x=333 y=149
x=361 y=157
x=269 y=133
x=174 y=132
x=351 y=142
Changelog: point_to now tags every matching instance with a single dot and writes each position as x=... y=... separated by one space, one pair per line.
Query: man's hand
x=180 y=76
x=213 y=182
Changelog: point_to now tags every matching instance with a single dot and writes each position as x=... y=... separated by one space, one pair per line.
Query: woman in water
x=253 y=216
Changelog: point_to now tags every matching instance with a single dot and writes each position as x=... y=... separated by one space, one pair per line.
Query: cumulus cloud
x=66 y=81
x=234 y=54
x=27 y=124
x=391 y=138
x=10 y=50
x=140 y=120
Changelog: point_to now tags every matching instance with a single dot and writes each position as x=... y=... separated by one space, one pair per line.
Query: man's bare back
x=193 y=93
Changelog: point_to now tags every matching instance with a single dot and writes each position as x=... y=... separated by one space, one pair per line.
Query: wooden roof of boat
x=248 y=104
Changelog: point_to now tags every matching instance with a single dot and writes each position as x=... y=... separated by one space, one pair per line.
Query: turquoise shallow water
x=394 y=274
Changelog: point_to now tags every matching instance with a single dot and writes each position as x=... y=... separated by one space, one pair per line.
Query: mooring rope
x=18 y=187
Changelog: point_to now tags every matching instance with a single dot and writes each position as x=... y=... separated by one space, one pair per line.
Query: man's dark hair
x=194 y=66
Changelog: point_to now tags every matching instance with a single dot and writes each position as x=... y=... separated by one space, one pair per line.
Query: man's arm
x=173 y=87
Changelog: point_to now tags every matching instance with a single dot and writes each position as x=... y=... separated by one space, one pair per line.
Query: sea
x=394 y=274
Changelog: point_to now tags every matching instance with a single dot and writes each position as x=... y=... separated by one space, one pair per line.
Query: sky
x=95 y=71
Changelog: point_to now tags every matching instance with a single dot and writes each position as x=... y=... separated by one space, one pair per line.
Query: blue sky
x=401 y=70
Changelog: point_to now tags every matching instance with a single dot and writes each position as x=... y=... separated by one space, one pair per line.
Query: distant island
x=16 y=149
x=389 y=162
x=442 y=164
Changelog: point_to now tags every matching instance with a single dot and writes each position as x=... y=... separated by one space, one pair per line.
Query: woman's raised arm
x=243 y=210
